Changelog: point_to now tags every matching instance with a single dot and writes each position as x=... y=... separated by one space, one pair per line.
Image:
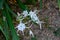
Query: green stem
x=40 y=4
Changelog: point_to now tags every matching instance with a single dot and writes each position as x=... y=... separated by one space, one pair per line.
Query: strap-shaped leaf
x=10 y=10
x=59 y=3
x=9 y=20
x=1 y=28
x=40 y=4
x=21 y=5
x=1 y=4
x=5 y=25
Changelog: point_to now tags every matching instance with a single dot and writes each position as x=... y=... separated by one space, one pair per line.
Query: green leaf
x=33 y=38
x=1 y=4
x=9 y=9
x=21 y=5
x=11 y=26
x=40 y=4
x=1 y=28
x=5 y=25
x=59 y=3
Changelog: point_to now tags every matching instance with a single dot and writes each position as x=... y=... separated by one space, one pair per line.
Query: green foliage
x=40 y=4
x=31 y=2
x=1 y=28
x=58 y=3
x=9 y=21
x=5 y=26
x=57 y=32
x=21 y=5
x=1 y=3
x=10 y=10
x=33 y=38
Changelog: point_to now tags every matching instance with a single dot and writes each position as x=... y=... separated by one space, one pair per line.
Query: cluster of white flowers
x=33 y=15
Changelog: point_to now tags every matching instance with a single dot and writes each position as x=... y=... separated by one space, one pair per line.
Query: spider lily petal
x=18 y=13
x=19 y=17
x=21 y=27
x=31 y=33
x=25 y=13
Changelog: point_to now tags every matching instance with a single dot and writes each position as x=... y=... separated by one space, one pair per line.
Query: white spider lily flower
x=31 y=33
x=34 y=18
x=25 y=13
x=21 y=27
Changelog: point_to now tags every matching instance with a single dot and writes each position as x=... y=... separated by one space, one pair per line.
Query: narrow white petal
x=31 y=33
x=40 y=26
x=25 y=13
x=18 y=13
